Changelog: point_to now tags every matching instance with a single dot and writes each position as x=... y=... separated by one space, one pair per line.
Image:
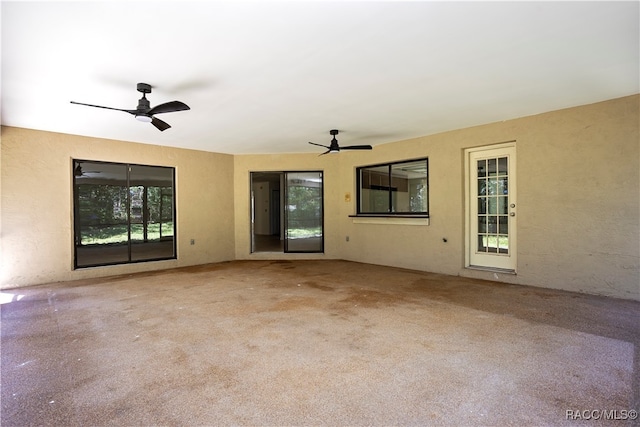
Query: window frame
x=360 y=213
x=131 y=257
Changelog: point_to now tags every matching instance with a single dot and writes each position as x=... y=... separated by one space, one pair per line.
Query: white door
x=491 y=207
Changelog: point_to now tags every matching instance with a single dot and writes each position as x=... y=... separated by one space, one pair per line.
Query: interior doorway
x=287 y=211
x=266 y=212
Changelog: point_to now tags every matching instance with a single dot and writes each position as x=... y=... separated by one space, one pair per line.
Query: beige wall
x=37 y=233
x=578 y=201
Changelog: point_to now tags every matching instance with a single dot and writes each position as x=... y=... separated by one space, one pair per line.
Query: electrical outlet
x=347 y=239
x=193 y=241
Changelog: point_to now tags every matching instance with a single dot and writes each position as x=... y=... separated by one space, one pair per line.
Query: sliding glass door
x=303 y=201
x=287 y=212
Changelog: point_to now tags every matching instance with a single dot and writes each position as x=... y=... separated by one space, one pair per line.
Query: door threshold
x=492 y=269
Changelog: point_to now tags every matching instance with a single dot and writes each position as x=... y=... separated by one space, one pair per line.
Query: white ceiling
x=267 y=77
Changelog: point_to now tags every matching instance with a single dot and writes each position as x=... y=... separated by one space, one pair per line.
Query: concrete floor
x=267 y=343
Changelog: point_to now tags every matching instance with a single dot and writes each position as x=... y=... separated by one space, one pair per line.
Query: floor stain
x=315 y=285
x=296 y=303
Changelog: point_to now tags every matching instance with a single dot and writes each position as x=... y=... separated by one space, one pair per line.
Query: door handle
x=512 y=214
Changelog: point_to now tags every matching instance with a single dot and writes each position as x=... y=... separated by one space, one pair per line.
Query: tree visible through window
x=122 y=213
x=304 y=213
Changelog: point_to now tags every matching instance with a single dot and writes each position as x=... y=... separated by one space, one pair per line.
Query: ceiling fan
x=144 y=112
x=335 y=148
x=78 y=172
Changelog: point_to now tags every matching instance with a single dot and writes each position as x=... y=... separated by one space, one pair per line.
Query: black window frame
x=360 y=212
x=76 y=220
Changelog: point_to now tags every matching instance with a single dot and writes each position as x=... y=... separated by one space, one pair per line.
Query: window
x=400 y=188
x=122 y=213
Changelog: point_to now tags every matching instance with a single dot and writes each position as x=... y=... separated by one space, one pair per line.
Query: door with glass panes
x=491 y=234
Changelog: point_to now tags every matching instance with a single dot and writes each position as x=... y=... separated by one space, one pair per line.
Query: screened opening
x=122 y=213
x=400 y=188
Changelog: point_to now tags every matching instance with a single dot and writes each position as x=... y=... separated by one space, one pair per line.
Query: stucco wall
x=578 y=198
x=37 y=232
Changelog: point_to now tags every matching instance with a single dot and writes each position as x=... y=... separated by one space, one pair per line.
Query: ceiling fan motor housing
x=143 y=104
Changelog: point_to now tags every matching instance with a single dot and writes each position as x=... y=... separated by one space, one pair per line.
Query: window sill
x=390 y=219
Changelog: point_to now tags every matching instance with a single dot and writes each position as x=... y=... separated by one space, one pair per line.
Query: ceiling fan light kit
x=335 y=148
x=143 y=118
x=144 y=112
